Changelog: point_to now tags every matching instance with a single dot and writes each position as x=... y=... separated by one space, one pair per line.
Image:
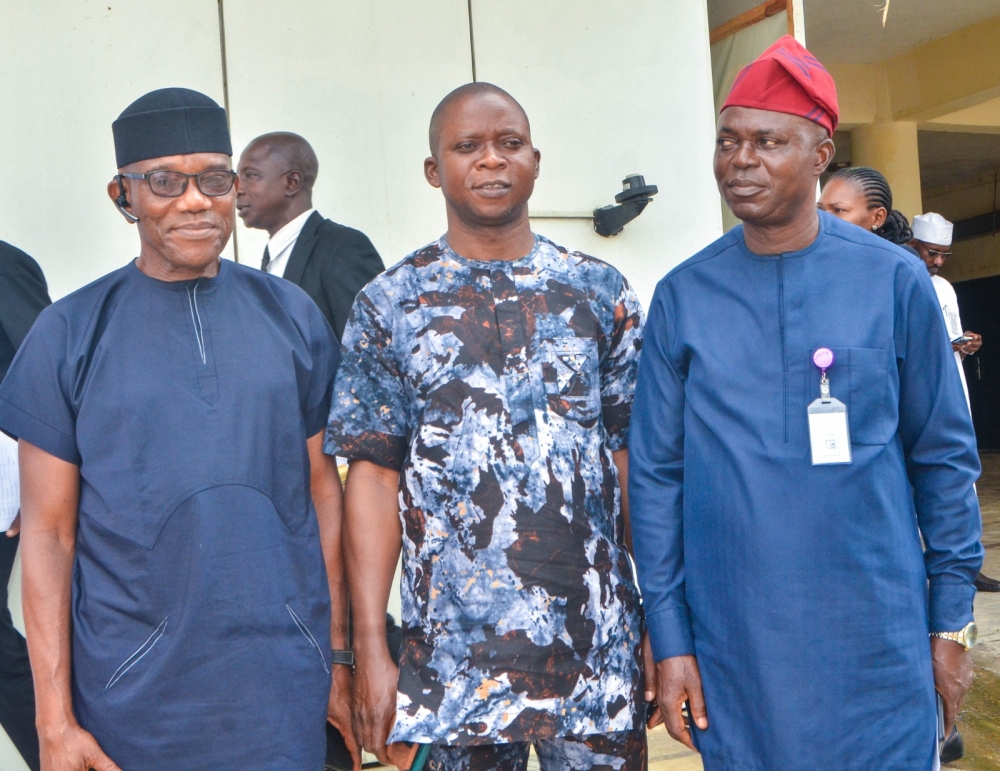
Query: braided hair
x=876 y=190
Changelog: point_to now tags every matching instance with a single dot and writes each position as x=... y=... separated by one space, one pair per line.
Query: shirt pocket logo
x=570 y=377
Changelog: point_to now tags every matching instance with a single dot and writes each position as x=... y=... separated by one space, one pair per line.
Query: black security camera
x=610 y=220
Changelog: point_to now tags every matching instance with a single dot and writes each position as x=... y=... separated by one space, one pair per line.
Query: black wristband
x=343 y=657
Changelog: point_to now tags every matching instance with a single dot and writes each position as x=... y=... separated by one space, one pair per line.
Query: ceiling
x=721 y=11
x=851 y=30
x=951 y=158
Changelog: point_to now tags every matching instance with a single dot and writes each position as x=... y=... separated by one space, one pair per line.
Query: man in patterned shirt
x=484 y=401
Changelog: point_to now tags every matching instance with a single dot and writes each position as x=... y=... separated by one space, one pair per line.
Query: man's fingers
x=649 y=667
x=346 y=728
x=381 y=752
x=15 y=526
x=950 y=714
x=696 y=703
x=373 y=739
x=353 y=749
x=654 y=715
x=102 y=762
x=376 y=729
x=676 y=726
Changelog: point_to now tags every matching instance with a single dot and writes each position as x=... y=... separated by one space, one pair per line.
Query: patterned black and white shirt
x=499 y=390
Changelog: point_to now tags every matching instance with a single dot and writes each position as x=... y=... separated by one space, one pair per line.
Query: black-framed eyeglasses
x=942 y=255
x=171 y=184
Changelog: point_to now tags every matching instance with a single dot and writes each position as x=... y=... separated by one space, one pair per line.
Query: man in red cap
x=802 y=467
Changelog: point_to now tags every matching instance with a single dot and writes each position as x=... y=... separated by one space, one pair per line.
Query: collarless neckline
x=742 y=241
x=489 y=264
x=203 y=283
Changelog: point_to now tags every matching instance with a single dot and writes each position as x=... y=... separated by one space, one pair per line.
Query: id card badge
x=829 y=434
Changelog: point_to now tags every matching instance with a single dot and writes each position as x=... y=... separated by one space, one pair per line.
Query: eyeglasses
x=942 y=255
x=171 y=184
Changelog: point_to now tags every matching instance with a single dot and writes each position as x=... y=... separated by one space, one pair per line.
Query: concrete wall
x=610 y=89
x=976 y=257
x=608 y=93
x=67 y=68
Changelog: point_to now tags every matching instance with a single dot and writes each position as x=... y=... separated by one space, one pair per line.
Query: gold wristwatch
x=966 y=638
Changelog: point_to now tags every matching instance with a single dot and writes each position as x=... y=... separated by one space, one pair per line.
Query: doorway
x=979 y=303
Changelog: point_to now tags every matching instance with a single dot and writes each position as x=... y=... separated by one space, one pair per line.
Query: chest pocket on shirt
x=871 y=411
x=571 y=377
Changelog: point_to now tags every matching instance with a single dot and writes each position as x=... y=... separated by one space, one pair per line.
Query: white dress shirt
x=281 y=243
x=10 y=487
x=949 y=308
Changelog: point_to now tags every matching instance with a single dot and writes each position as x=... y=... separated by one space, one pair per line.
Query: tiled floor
x=980 y=720
x=988 y=605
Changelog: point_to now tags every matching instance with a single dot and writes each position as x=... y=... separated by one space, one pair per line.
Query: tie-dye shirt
x=499 y=391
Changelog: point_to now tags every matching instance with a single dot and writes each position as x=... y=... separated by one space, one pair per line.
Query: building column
x=891 y=148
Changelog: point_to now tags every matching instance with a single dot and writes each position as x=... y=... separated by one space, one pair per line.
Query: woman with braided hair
x=862 y=196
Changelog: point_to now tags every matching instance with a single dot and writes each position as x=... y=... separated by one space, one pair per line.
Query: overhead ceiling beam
x=944 y=75
x=749 y=18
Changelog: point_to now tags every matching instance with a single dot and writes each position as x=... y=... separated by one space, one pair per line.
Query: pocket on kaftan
x=571 y=377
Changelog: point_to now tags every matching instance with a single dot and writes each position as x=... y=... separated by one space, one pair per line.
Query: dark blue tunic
x=803 y=590
x=201 y=612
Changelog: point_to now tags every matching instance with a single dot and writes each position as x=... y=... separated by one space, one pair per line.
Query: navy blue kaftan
x=803 y=590
x=201 y=613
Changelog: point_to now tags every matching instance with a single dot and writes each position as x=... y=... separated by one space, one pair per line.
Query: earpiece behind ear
x=122 y=201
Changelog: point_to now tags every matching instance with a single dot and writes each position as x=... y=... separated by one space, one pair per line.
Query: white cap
x=932 y=228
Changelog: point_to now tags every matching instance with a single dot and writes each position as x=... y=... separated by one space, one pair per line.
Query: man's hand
x=15 y=526
x=952 y=676
x=338 y=710
x=655 y=717
x=375 y=703
x=969 y=348
x=677 y=681
x=70 y=748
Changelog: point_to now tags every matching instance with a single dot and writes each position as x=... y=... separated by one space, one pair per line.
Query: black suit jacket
x=332 y=263
x=23 y=295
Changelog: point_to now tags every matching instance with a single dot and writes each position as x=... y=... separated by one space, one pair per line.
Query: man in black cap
x=177 y=507
x=331 y=262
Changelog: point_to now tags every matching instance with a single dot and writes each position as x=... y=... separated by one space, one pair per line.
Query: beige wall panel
x=612 y=89
x=975 y=197
x=975 y=258
x=359 y=80
x=67 y=69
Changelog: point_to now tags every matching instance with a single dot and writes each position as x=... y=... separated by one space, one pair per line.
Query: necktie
x=266 y=261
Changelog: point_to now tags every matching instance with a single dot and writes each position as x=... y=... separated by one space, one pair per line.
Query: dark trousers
x=17 y=695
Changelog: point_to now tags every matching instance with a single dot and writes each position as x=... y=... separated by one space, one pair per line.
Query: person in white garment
x=932 y=236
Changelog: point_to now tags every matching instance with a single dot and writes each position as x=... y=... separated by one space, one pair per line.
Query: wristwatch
x=966 y=638
x=343 y=657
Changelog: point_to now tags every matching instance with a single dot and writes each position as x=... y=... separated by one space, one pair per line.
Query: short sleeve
x=620 y=366
x=35 y=401
x=369 y=414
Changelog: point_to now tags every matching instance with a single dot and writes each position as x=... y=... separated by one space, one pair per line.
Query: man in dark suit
x=330 y=262
x=23 y=295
